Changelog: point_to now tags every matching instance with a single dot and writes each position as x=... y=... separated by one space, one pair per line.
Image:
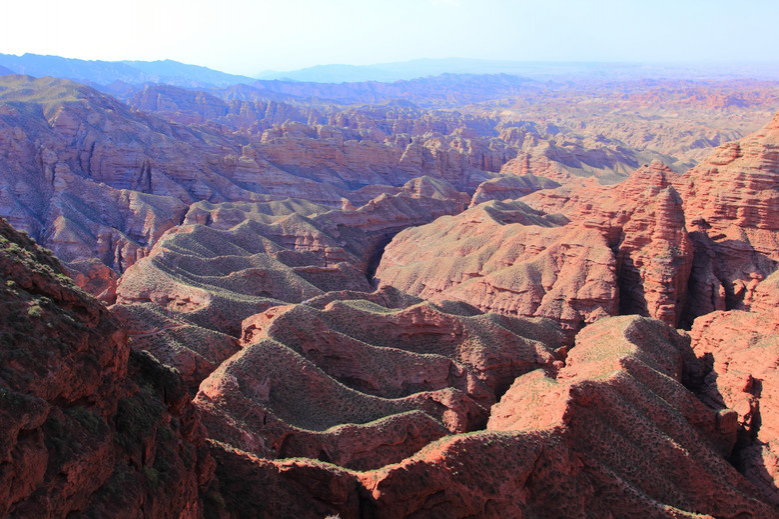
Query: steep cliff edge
x=88 y=426
x=731 y=203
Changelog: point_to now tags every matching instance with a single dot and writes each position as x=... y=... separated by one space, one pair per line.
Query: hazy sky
x=247 y=37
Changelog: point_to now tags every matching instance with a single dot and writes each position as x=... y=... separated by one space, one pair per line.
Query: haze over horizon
x=248 y=38
x=505 y=259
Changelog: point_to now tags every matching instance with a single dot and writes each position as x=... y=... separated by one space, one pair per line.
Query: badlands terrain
x=447 y=297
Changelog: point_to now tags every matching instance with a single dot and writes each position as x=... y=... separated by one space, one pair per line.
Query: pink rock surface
x=643 y=220
x=510 y=187
x=741 y=349
x=614 y=434
x=95 y=278
x=360 y=385
x=505 y=257
x=730 y=204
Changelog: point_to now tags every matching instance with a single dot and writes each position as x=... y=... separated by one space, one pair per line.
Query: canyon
x=461 y=296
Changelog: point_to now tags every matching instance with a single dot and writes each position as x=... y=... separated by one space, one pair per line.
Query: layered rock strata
x=506 y=257
x=643 y=221
x=731 y=204
x=613 y=433
x=361 y=385
x=740 y=351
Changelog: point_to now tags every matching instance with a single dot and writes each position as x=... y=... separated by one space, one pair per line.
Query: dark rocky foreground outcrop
x=89 y=427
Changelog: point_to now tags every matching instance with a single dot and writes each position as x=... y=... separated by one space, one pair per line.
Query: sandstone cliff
x=506 y=257
x=730 y=203
x=643 y=221
x=88 y=426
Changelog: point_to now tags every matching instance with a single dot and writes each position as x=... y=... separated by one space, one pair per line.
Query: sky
x=249 y=37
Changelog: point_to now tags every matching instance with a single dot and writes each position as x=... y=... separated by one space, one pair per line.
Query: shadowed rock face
x=94 y=278
x=741 y=352
x=643 y=222
x=193 y=350
x=731 y=203
x=86 y=426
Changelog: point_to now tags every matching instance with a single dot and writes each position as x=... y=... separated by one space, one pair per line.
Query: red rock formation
x=94 y=278
x=179 y=104
x=86 y=426
x=510 y=188
x=572 y=158
x=215 y=278
x=742 y=353
x=564 y=273
x=77 y=164
x=231 y=260
x=730 y=203
x=104 y=181
x=360 y=385
x=302 y=488
x=613 y=431
x=507 y=258
x=642 y=219
x=370 y=145
x=614 y=434
x=383 y=382
x=673 y=117
x=655 y=258
x=194 y=351
x=75 y=155
x=763 y=296
x=325 y=154
x=735 y=185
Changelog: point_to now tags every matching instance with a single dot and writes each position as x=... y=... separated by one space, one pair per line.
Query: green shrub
x=152 y=475
x=35 y=312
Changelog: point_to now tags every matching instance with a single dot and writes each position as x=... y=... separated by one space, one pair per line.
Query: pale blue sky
x=246 y=37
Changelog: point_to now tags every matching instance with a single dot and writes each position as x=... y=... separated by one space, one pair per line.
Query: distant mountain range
x=107 y=72
x=406 y=70
x=442 y=91
x=118 y=73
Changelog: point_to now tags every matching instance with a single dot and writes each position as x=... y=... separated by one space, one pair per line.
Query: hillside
x=91 y=177
x=557 y=303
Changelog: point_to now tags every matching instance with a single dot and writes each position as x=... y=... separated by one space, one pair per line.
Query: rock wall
x=87 y=425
